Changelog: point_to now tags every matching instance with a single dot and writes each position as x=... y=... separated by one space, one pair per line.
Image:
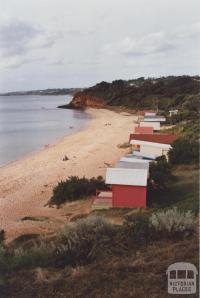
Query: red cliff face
x=81 y=101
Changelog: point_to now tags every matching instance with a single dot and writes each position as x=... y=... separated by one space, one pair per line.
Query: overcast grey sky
x=76 y=43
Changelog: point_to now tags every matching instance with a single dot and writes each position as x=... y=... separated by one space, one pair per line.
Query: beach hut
x=143 y=112
x=156 y=138
x=149 y=114
x=151 y=149
x=154 y=119
x=145 y=129
x=132 y=159
x=129 y=186
x=154 y=125
x=132 y=164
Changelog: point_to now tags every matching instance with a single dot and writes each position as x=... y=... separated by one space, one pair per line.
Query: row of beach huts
x=128 y=179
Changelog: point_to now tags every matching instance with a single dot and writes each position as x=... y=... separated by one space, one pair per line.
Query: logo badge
x=182 y=278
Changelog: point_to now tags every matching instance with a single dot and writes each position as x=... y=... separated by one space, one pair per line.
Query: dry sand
x=26 y=185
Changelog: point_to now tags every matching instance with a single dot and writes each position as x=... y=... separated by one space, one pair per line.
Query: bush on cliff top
x=75 y=188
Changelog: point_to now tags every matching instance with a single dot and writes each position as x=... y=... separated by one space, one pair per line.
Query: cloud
x=19 y=40
x=156 y=43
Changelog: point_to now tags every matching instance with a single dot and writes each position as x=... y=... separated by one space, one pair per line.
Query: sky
x=77 y=43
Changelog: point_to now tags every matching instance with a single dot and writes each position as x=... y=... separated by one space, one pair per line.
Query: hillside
x=162 y=93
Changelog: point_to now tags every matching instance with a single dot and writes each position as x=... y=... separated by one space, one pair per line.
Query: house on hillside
x=145 y=129
x=154 y=125
x=173 y=112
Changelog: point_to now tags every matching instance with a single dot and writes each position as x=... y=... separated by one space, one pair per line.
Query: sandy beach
x=26 y=185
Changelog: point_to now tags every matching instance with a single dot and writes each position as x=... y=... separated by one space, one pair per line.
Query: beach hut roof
x=152 y=144
x=144 y=155
x=155 y=138
x=132 y=165
x=124 y=176
x=132 y=159
x=154 y=118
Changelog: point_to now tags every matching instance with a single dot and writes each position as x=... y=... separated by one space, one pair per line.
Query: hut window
x=181 y=274
x=190 y=274
x=173 y=274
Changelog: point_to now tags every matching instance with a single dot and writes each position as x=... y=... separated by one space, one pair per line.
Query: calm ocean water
x=27 y=123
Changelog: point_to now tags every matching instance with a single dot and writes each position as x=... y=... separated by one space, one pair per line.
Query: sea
x=29 y=122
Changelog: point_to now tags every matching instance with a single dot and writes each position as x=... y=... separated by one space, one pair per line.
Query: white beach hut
x=150 y=148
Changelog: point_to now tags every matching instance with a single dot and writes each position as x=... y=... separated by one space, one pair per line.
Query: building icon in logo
x=182 y=278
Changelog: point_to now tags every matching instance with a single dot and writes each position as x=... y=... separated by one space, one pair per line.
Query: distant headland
x=55 y=91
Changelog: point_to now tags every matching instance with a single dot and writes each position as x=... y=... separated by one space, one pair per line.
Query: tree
x=184 y=151
x=159 y=178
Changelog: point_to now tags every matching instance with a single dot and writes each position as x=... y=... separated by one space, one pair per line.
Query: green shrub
x=80 y=242
x=20 y=258
x=138 y=227
x=173 y=223
x=160 y=173
x=184 y=151
x=75 y=188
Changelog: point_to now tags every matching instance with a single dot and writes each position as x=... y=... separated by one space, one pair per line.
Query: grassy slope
x=140 y=274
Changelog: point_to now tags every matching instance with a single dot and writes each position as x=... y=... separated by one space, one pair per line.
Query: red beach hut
x=129 y=187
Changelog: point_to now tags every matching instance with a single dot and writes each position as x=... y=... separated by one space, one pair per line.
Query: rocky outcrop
x=82 y=101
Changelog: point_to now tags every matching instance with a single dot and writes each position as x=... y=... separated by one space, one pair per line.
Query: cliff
x=81 y=101
x=163 y=93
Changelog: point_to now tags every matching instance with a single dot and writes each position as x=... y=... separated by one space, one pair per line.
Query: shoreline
x=26 y=184
x=54 y=142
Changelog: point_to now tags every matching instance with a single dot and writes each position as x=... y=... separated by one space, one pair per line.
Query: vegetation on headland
x=156 y=93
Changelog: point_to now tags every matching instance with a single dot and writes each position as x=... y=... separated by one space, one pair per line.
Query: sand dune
x=26 y=185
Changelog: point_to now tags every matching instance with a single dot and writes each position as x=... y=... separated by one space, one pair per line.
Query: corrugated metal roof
x=144 y=155
x=155 y=138
x=132 y=165
x=152 y=144
x=134 y=159
x=154 y=119
x=123 y=176
x=150 y=114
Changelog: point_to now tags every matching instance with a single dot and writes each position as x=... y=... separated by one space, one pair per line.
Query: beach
x=26 y=185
